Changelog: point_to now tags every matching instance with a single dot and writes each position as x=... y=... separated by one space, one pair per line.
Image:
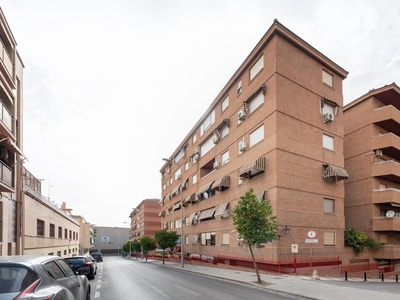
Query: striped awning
x=175 y=190
x=177 y=205
x=162 y=213
x=161 y=201
x=189 y=198
x=220 y=183
x=185 y=184
x=191 y=217
x=221 y=209
x=261 y=195
x=207 y=214
x=332 y=171
x=10 y=145
x=204 y=188
x=255 y=167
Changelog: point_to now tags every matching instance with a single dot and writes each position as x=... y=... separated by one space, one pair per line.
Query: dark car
x=41 y=277
x=98 y=256
x=83 y=261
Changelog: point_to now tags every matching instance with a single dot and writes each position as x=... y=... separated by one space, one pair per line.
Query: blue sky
x=112 y=87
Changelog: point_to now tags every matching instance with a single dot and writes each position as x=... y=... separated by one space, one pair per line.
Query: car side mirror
x=84 y=271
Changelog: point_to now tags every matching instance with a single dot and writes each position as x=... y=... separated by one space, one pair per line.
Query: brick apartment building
x=145 y=219
x=276 y=127
x=372 y=157
x=11 y=156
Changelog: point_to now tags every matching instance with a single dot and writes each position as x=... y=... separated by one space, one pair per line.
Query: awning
x=337 y=172
x=395 y=204
x=221 y=209
x=204 y=188
x=10 y=145
x=253 y=168
x=220 y=183
x=261 y=195
x=185 y=183
x=207 y=214
x=262 y=88
x=161 y=201
x=168 y=197
x=162 y=213
x=191 y=217
x=189 y=198
x=175 y=190
x=177 y=205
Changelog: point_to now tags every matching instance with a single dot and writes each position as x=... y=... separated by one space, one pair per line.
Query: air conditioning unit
x=378 y=153
x=195 y=238
x=242 y=146
x=215 y=139
x=241 y=115
x=216 y=165
x=4 y=153
x=196 y=157
x=194 y=221
x=328 y=117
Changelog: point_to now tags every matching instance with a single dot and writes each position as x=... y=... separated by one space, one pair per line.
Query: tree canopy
x=147 y=243
x=254 y=222
x=166 y=239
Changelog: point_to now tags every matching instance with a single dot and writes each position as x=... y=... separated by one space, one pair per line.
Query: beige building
x=277 y=127
x=110 y=240
x=11 y=128
x=372 y=158
x=145 y=219
x=46 y=228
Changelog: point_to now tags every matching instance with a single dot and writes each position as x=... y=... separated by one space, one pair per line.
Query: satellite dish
x=390 y=214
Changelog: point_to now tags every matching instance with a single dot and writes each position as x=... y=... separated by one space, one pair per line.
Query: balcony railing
x=6 y=174
x=5 y=57
x=6 y=117
x=388 y=170
x=386 y=224
x=389 y=195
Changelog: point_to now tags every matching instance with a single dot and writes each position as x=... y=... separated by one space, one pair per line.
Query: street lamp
x=130 y=244
x=180 y=177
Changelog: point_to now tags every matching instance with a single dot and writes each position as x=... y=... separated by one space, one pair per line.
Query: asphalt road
x=120 y=278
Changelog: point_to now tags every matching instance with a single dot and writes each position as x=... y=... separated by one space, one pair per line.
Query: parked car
x=83 y=261
x=41 y=277
x=98 y=256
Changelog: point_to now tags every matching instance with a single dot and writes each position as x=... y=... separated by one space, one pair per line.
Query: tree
x=254 y=223
x=165 y=239
x=359 y=241
x=136 y=247
x=147 y=243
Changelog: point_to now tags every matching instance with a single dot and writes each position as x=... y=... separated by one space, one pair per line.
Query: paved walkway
x=324 y=288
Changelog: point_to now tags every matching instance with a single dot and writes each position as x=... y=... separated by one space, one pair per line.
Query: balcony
x=388 y=252
x=6 y=179
x=5 y=58
x=389 y=143
x=386 y=196
x=386 y=224
x=388 y=118
x=387 y=170
x=6 y=120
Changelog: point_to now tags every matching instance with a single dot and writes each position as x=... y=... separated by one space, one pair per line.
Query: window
x=54 y=270
x=65 y=233
x=59 y=253
x=208 y=239
x=256 y=102
x=225 y=158
x=59 y=232
x=257 y=135
x=225 y=239
x=178 y=156
x=329 y=239
x=241 y=146
x=225 y=104
x=382 y=186
x=194 y=178
x=170 y=180
x=76 y=236
x=210 y=119
x=171 y=225
x=207 y=146
x=164 y=186
x=240 y=180
x=40 y=227
x=327 y=78
x=65 y=252
x=178 y=223
x=70 y=234
x=194 y=138
x=257 y=67
x=239 y=87
x=327 y=142
x=186 y=166
x=329 y=205
x=178 y=174
x=52 y=230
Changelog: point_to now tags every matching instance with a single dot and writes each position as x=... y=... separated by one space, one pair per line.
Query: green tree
x=359 y=241
x=254 y=223
x=165 y=239
x=136 y=248
x=147 y=243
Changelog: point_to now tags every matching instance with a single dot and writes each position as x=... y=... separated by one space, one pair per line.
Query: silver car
x=41 y=277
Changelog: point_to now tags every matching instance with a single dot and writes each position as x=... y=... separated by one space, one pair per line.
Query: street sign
x=312 y=234
x=312 y=241
x=295 y=248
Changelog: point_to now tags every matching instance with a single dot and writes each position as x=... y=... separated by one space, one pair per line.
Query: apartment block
x=46 y=228
x=277 y=127
x=372 y=158
x=109 y=240
x=145 y=219
x=11 y=156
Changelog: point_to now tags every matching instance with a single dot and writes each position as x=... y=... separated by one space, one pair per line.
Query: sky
x=112 y=87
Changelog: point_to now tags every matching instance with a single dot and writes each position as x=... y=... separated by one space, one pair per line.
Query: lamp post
x=180 y=177
x=130 y=244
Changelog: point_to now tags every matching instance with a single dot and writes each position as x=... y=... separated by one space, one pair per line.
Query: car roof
x=27 y=260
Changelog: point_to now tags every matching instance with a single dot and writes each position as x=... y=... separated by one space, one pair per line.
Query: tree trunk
x=163 y=256
x=255 y=264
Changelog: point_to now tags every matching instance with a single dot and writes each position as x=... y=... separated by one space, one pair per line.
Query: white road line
x=97 y=295
x=98 y=286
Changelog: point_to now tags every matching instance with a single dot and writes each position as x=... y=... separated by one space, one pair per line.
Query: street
x=122 y=278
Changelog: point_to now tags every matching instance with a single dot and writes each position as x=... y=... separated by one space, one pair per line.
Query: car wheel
x=91 y=275
x=88 y=294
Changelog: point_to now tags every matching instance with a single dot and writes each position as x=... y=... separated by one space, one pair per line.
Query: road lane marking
x=97 y=295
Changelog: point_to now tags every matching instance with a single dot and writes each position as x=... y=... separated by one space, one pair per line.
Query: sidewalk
x=323 y=289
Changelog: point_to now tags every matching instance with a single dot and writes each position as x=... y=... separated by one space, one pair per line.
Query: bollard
x=383 y=277
x=365 y=276
x=345 y=275
x=397 y=278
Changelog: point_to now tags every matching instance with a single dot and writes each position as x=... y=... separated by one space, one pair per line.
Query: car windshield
x=76 y=261
x=15 y=279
